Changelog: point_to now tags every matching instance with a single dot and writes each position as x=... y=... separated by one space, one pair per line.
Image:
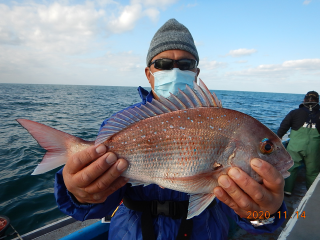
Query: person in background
x=304 y=144
x=90 y=186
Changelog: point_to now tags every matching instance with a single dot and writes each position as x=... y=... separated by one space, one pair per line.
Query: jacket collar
x=316 y=108
x=145 y=95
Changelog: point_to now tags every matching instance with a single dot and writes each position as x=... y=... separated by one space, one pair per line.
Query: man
x=90 y=186
x=304 y=144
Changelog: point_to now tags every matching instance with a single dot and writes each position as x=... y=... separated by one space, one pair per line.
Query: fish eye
x=266 y=146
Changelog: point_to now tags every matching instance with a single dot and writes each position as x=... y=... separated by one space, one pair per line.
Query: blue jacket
x=210 y=224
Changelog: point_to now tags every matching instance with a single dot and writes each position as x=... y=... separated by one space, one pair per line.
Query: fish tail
x=57 y=144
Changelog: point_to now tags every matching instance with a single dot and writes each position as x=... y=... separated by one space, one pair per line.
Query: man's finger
x=104 y=182
x=94 y=170
x=241 y=199
x=272 y=178
x=255 y=190
x=224 y=197
x=81 y=159
x=102 y=196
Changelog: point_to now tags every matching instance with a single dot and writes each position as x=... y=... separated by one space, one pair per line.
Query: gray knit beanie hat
x=172 y=35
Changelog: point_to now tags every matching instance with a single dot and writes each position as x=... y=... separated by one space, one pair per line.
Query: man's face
x=311 y=98
x=170 y=54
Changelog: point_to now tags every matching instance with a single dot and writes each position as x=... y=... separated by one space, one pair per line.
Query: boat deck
x=58 y=229
x=304 y=223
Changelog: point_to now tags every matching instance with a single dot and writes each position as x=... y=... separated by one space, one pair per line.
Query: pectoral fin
x=198 y=203
x=135 y=183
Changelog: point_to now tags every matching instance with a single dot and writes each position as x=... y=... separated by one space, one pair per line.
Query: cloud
x=60 y=42
x=7 y=36
x=304 y=64
x=110 y=62
x=241 y=52
x=292 y=76
x=283 y=70
x=108 y=69
x=189 y=5
x=242 y=61
x=103 y=3
x=198 y=43
x=152 y=13
x=56 y=26
x=127 y=19
x=306 y=2
x=205 y=64
x=163 y=4
x=53 y=28
x=130 y=14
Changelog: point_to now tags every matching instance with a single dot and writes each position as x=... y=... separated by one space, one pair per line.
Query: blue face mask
x=167 y=81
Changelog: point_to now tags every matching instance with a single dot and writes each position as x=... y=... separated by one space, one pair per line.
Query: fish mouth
x=285 y=173
x=285 y=166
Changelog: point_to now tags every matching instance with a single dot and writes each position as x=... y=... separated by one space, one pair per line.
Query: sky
x=257 y=45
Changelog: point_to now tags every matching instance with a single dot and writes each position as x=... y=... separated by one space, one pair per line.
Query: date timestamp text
x=266 y=214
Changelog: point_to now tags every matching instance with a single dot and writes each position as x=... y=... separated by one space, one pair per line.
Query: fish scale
x=183 y=147
x=190 y=128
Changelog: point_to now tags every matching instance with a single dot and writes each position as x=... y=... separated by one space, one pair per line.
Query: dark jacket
x=296 y=118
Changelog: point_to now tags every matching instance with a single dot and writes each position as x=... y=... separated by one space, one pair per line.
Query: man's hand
x=93 y=174
x=244 y=195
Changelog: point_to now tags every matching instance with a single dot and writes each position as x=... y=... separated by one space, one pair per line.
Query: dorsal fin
x=197 y=96
x=211 y=97
x=193 y=96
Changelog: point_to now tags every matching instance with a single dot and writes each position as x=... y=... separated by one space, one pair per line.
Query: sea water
x=79 y=110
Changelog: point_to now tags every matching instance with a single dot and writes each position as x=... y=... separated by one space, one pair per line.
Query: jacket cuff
x=65 y=202
x=76 y=202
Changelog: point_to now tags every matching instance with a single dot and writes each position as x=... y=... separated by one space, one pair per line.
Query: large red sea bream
x=184 y=143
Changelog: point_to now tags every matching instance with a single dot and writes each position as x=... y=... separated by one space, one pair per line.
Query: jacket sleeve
x=285 y=125
x=69 y=205
x=246 y=225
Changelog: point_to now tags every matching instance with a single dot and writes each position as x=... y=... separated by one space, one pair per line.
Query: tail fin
x=57 y=144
